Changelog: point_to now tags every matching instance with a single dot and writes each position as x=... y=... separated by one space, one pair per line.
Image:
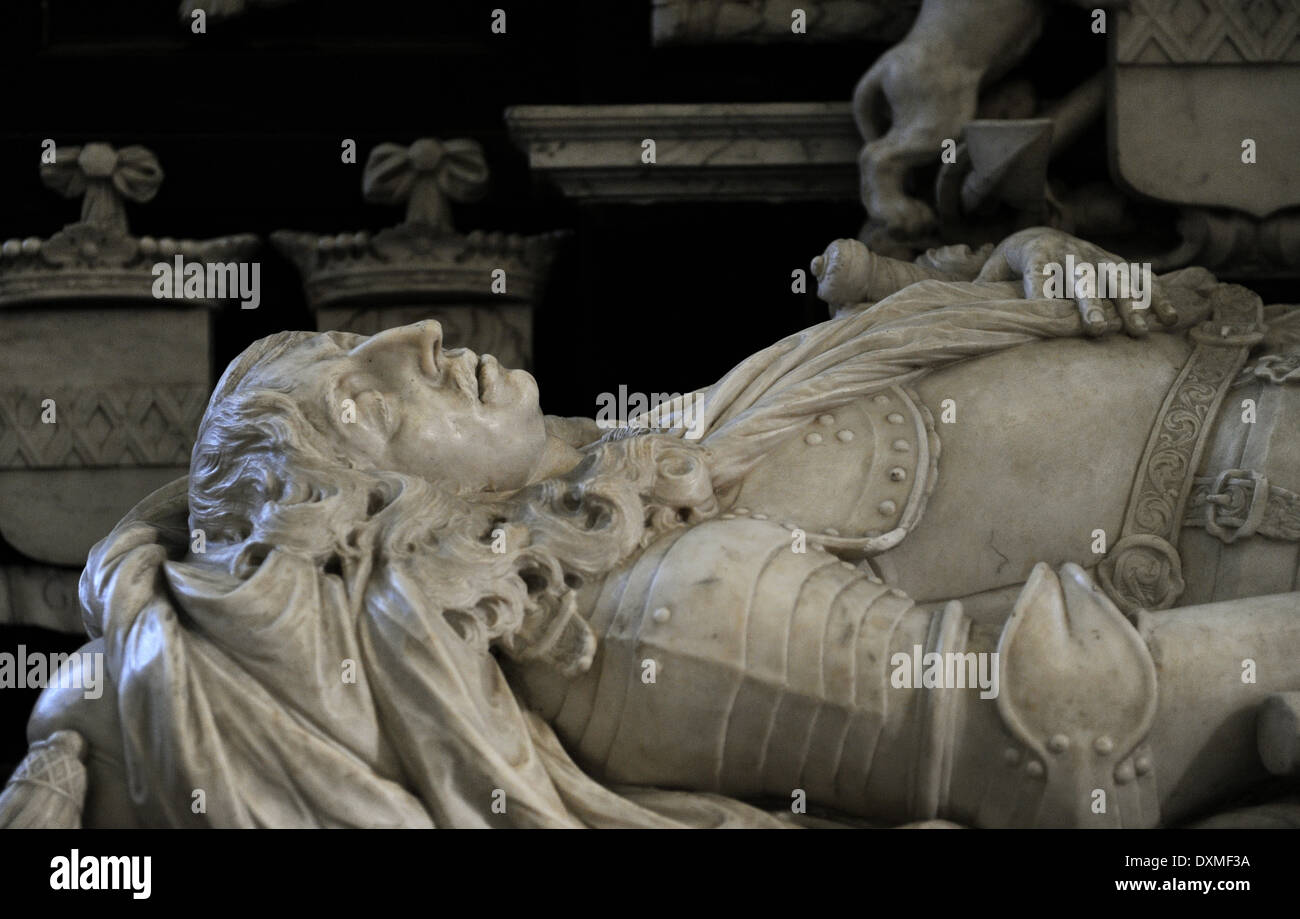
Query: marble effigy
x=968 y=552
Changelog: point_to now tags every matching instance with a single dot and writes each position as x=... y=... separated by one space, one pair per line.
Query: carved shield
x=1193 y=80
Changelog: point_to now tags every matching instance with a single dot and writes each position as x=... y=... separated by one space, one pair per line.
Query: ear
x=368 y=421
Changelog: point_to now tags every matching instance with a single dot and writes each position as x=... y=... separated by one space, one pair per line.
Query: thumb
x=997 y=268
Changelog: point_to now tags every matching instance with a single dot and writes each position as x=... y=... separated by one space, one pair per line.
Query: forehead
x=346 y=341
x=307 y=364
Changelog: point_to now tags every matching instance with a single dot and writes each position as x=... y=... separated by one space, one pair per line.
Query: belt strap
x=1143 y=569
x=1240 y=502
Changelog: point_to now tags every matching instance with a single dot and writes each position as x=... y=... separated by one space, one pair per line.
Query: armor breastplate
x=855 y=479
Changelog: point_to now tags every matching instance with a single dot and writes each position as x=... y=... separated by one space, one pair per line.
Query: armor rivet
x=1124 y=773
x=1011 y=756
x=1142 y=765
x=831 y=531
x=662 y=614
x=894 y=418
x=813 y=438
x=760 y=516
x=887 y=507
x=1103 y=745
x=880 y=399
x=897 y=474
x=742 y=511
x=844 y=436
x=1058 y=743
x=825 y=419
x=1034 y=768
x=902 y=446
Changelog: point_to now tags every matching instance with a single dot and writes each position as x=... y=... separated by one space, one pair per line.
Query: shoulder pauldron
x=855 y=478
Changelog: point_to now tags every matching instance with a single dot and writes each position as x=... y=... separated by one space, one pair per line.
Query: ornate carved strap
x=1240 y=502
x=1143 y=569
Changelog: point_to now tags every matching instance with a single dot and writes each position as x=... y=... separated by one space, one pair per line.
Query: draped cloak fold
x=235 y=686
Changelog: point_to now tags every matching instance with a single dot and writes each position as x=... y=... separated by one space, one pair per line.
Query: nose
x=424 y=338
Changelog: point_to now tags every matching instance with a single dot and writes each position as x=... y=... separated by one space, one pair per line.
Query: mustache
x=464 y=373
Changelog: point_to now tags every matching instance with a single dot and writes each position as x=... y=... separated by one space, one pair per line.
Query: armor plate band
x=937 y=728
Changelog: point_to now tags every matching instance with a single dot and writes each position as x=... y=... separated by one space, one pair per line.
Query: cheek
x=442 y=438
x=433 y=435
x=505 y=440
x=520 y=435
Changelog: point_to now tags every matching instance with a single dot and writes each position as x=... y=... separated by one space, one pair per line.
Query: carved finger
x=1162 y=306
x=1096 y=313
x=1132 y=316
x=996 y=269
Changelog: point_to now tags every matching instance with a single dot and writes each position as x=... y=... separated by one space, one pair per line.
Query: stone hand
x=1053 y=264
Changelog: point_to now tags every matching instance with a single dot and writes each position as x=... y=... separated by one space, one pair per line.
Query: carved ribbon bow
x=105 y=177
x=426 y=175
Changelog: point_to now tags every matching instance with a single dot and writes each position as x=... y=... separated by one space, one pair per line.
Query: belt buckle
x=1228 y=530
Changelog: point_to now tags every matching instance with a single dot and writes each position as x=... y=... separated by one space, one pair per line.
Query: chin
x=519 y=388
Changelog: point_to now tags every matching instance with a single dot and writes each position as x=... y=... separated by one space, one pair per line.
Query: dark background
x=247 y=122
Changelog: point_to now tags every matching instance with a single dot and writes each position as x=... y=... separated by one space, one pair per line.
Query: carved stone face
x=401 y=402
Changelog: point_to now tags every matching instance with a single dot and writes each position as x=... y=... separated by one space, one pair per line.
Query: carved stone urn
x=102 y=384
x=481 y=286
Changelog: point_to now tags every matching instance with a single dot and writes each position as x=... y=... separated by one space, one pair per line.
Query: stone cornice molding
x=783 y=151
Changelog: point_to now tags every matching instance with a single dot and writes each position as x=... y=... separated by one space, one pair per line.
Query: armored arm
x=732 y=662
